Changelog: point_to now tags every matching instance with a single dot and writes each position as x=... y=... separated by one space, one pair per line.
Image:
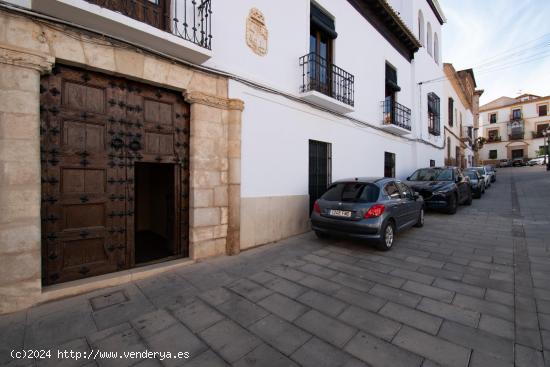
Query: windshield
x=355 y=192
x=481 y=171
x=471 y=174
x=432 y=174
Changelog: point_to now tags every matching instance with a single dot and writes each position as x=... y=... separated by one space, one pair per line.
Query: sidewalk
x=471 y=289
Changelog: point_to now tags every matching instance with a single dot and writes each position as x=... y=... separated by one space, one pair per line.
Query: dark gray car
x=367 y=208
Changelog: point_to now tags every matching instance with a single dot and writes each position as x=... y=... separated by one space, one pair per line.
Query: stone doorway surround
x=29 y=48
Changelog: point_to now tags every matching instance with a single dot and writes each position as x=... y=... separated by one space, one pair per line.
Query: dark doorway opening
x=320 y=169
x=155 y=210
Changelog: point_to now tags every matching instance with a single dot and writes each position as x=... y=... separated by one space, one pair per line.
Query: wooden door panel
x=93 y=129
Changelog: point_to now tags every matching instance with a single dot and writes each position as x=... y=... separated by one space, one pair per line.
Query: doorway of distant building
x=320 y=169
x=517 y=153
x=155 y=212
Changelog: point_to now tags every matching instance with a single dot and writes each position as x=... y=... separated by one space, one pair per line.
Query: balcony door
x=153 y=12
x=321 y=37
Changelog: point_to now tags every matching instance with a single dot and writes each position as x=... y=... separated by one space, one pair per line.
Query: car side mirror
x=408 y=178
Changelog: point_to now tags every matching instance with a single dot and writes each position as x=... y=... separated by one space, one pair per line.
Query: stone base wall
x=29 y=49
x=269 y=219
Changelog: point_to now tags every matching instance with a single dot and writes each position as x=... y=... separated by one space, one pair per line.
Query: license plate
x=340 y=213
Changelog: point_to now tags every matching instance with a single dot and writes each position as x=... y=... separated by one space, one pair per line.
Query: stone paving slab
x=467 y=290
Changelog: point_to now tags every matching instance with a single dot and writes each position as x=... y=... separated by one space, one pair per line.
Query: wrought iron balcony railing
x=190 y=20
x=537 y=134
x=321 y=76
x=493 y=139
x=396 y=114
x=516 y=136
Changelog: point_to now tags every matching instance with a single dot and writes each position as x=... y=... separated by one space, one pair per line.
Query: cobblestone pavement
x=471 y=289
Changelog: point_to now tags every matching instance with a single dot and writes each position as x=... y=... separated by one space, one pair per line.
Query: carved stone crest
x=256 y=32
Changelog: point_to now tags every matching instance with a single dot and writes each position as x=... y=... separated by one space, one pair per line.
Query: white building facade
x=513 y=128
x=461 y=102
x=247 y=110
x=280 y=128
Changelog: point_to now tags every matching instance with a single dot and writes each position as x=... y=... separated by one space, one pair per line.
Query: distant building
x=461 y=105
x=513 y=127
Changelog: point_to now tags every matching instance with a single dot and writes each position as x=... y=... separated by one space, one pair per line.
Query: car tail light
x=375 y=211
x=316 y=208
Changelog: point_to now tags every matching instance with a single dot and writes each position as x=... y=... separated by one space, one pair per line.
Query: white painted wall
x=359 y=49
x=275 y=145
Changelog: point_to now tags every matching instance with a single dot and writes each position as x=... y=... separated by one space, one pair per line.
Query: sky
x=507 y=42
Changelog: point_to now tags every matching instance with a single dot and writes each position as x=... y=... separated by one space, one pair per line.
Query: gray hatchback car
x=367 y=208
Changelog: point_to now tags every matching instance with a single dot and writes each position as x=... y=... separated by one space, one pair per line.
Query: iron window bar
x=396 y=114
x=434 y=127
x=324 y=77
x=190 y=20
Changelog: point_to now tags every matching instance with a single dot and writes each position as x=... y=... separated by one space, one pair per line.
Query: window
x=405 y=190
x=389 y=164
x=541 y=128
x=492 y=135
x=421 y=27
x=321 y=34
x=493 y=118
x=451 y=109
x=356 y=192
x=543 y=110
x=436 y=48
x=516 y=114
x=493 y=154
x=429 y=39
x=449 y=147
x=432 y=162
x=392 y=190
x=433 y=114
x=390 y=100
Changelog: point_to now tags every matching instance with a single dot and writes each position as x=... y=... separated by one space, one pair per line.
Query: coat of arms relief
x=256 y=32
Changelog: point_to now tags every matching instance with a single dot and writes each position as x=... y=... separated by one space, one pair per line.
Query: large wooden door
x=93 y=128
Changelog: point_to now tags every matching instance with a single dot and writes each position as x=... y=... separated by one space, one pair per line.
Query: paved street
x=471 y=289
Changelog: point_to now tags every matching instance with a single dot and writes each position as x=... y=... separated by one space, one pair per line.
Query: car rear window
x=472 y=175
x=355 y=192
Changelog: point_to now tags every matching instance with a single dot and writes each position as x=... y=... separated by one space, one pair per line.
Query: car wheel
x=478 y=194
x=469 y=199
x=452 y=204
x=388 y=236
x=483 y=189
x=420 y=221
x=321 y=235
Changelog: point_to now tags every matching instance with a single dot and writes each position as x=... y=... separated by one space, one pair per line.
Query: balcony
x=466 y=134
x=179 y=28
x=396 y=118
x=494 y=139
x=326 y=84
x=516 y=136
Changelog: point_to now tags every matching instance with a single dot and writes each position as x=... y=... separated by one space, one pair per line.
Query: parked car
x=518 y=162
x=477 y=183
x=492 y=172
x=539 y=161
x=482 y=170
x=505 y=163
x=442 y=187
x=367 y=208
